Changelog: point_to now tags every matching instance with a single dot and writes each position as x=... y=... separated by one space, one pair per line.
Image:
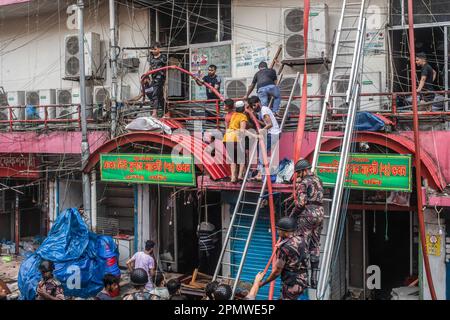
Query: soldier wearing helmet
x=139 y=279
x=48 y=288
x=291 y=261
x=308 y=212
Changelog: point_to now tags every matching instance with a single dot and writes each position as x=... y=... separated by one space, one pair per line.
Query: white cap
x=240 y=104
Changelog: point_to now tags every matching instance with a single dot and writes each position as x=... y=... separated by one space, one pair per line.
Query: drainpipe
x=113 y=60
x=412 y=59
x=94 y=200
x=17 y=223
x=84 y=139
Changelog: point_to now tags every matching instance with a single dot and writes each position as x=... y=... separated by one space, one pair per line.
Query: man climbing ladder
x=309 y=213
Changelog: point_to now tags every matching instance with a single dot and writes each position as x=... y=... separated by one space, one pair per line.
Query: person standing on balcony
x=269 y=132
x=234 y=140
x=309 y=213
x=265 y=82
x=212 y=79
x=229 y=109
x=427 y=78
x=157 y=60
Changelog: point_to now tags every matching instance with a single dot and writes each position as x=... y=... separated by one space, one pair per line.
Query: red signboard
x=19 y=166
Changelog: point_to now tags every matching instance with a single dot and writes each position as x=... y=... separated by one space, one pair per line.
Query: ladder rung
x=230 y=264
x=353 y=4
x=338 y=123
x=343 y=67
x=338 y=95
x=333 y=137
x=244 y=214
x=349 y=29
x=240 y=226
x=253 y=191
x=238 y=239
x=338 y=108
x=322 y=167
x=347 y=41
x=345 y=54
x=248 y=202
x=233 y=251
x=326 y=199
x=340 y=80
x=352 y=16
x=225 y=277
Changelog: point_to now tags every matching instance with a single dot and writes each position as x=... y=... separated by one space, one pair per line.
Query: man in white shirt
x=144 y=260
x=270 y=132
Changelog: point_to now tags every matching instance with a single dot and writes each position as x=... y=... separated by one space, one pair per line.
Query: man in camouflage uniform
x=291 y=261
x=309 y=213
x=138 y=278
x=48 y=288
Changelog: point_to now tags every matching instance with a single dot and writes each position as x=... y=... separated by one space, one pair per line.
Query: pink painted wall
x=52 y=143
x=7 y=2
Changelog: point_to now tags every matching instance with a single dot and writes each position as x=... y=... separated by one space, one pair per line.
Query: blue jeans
x=270 y=91
x=271 y=147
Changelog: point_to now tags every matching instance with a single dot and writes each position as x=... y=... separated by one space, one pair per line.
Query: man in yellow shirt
x=234 y=140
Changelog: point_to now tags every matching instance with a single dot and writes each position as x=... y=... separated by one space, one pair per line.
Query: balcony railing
x=209 y=112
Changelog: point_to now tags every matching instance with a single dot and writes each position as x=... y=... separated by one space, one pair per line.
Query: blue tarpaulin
x=366 y=121
x=81 y=258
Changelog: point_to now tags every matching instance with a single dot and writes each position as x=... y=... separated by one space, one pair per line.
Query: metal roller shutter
x=259 y=253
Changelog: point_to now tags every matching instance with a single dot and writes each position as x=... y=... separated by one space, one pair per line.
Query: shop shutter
x=258 y=255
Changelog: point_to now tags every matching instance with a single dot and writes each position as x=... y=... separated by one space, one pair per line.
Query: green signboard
x=148 y=168
x=368 y=171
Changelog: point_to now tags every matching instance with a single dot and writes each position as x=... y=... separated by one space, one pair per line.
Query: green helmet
x=302 y=164
x=287 y=224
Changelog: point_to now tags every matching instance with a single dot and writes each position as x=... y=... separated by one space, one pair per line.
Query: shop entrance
x=383 y=239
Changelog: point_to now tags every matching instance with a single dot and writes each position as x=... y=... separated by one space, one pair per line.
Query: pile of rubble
x=9 y=270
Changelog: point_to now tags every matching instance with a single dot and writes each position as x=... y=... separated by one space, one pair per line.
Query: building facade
x=37 y=62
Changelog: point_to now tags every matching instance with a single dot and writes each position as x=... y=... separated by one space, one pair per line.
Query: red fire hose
x=265 y=162
x=412 y=60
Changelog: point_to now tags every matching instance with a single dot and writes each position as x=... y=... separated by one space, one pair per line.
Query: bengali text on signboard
x=369 y=171
x=148 y=168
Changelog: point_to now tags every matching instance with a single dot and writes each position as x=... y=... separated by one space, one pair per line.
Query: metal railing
x=210 y=112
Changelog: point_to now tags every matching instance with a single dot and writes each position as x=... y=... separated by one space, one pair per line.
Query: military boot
x=314 y=271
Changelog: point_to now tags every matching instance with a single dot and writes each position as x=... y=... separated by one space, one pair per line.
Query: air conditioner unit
x=315 y=85
x=101 y=95
x=32 y=98
x=76 y=100
x=293 y=42
x=47 y=97
x=340 y=87
x=286 y=84
x=371 y=83
x=236 y=87
x=91 y=55
x=64 y=97
x=17 y=98
x=4 y=112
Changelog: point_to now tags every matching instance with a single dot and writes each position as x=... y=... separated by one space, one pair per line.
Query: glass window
x=203 y=21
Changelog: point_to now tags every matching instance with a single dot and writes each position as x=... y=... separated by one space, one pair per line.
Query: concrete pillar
x=435 y=227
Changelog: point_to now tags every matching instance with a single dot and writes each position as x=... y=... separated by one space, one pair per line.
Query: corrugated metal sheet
x=259 y=252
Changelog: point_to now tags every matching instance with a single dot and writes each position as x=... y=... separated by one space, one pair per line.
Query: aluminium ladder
x=237 y=232
x=341 y=97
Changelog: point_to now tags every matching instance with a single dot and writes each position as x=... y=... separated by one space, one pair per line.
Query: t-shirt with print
x=146 y=262
x=275 y=127
x=213 y=81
